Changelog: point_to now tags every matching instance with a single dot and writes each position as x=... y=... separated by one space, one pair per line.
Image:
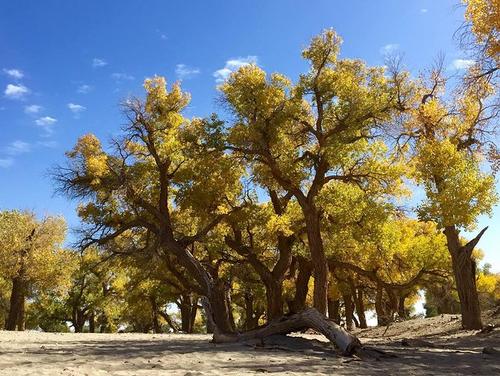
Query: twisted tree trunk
x=464 y=271
x=309 y=318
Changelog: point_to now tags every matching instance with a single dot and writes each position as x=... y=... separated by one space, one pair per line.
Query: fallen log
x=307 y=319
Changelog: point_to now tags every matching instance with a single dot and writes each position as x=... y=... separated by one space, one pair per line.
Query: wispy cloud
x=389 y=49
x=14 y=73
x=232 y=65
x=97 y=63
x=183 y=71
x=84 y=89
x=46 y=123
x=13 y=91
x=460 y=64
x=33 y=109
x=76 y=108
x=119 y=77
x=18 y=147
x=424 y=10
x=6 y=162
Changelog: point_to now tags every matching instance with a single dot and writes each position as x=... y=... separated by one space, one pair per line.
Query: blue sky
x=65 y=66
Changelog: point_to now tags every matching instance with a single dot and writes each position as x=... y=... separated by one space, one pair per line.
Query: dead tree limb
x=307 y=319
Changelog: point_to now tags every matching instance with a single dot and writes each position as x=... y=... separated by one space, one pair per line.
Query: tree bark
x=464 y=271
x=298 y=303
x=154 y=314
x=360 y=308
x=334 y=310
x=92 y=323
x=382 y=318
x=309 y=318
x=318 y=257
x=17 y=297
x=349 y=310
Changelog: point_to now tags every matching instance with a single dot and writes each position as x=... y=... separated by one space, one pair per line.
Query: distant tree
x=31 y=258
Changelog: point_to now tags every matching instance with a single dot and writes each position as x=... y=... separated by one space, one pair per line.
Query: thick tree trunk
x=309 y=318
x=360 y=308
x=464 y=271
x=21 y=316
x=298 y=304
x=17 y=297
x=334 y=310
x=274 y=296
x=220 y=308
x=318 y=257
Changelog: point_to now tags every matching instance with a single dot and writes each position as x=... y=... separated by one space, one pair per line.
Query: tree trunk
x=274 y=295
x=349 y=311
x=154 y=315
x=334 y=310
x=318 y=257
x=16 y=303
x=309 y=318
x=464 y=271
x=92 y=323
x=21 y=316
x=249 y=313
x=382 y=318
x=298 y=304
x=401 y=306
x=360 y=308
x=220 y=308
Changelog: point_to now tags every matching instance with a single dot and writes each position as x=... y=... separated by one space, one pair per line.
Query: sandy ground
x=452 y=351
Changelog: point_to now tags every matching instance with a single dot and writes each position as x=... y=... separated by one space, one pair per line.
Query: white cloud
x=84 y=89
x=46 y=123
x=232 y=65
x=163 y=36
x=18 y=147
x=118 y=77
x=424 y=10
x=459 y=64
x=96 y=63
x=76 y=108
x=14 y=73
x=389 y=49
x=184 y=71
x=33 y=109
x=16 y=91
x=6 y=162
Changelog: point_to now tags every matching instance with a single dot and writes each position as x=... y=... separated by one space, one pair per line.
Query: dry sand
x=453 y=352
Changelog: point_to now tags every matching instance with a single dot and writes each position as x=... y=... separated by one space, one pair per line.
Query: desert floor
x=447 y=351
